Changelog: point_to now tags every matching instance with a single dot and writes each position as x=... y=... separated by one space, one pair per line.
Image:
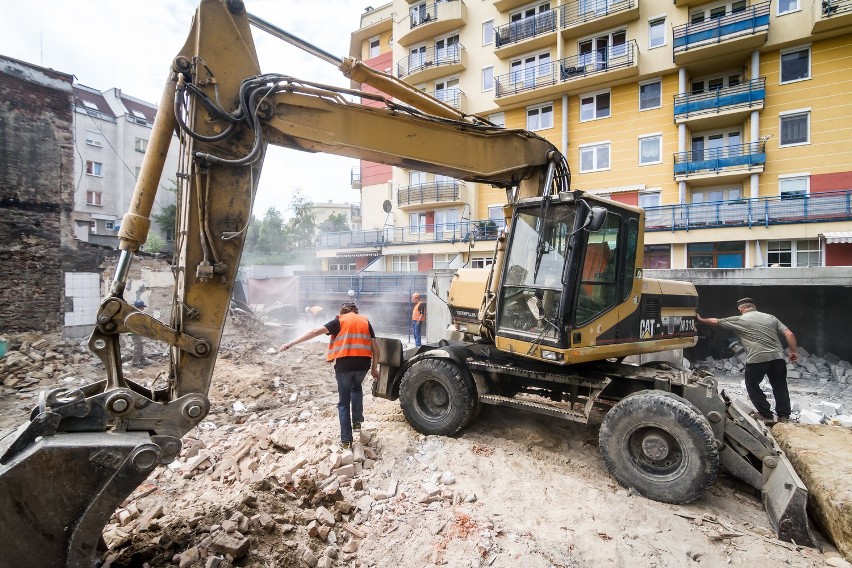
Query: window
x=594 y=158
x=448 y=91
x=649 y=199
x=793 y=187
x=651 y=149
x=481 y=261
x=795 y=65
x=138 y=114
x=170 y=238
x=94 y=168
x=417 y=223
x=716 y=194
x=374 y=47
x=795 y=128
x=488 y=32
x=540 y=117
x=141 y=145
x=109 y=225
x=93 y=198
x=138 y=171
x=404 y=262
x=594 y=106
x=525 y=71
x=442 y=260
x=793 y=253
x=93 y=227
x=716 y=255
x=447 y=49
x=787 y=6
x=651 y=95
x=338 y=265
x=94 y=139
x=89 y=104
x=599 y=277
x=487 y=78
x=656 y=33
x=657 y=257
x=495 y=213
x=498 y=118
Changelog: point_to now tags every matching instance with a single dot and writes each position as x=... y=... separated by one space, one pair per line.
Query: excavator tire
x=661 y=446
x=436 y=398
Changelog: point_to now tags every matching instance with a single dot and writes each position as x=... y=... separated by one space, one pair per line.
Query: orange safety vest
x=353 y=340
x=415 y=313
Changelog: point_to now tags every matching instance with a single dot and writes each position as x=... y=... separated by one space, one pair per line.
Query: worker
x=313 y=314
x=354 y=350
x=139 y=360
x=418 y=316
x=760 y=335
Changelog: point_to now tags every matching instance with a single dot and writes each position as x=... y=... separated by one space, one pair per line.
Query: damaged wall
x=36 y=194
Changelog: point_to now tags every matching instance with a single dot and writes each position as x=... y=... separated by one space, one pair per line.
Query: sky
x=129 y=44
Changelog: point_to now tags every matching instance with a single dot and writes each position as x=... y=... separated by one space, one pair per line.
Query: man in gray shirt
x=760 y=335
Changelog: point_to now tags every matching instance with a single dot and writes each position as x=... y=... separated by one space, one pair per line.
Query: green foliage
x=154 y=244
x=336 y=223
x=270 y=233
x=300 y=231
x=167 y=218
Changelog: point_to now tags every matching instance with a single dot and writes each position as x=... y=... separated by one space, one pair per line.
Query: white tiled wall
x=84 y=288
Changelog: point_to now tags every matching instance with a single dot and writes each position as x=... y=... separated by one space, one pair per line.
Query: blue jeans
x=415 y=331
x=349 y=393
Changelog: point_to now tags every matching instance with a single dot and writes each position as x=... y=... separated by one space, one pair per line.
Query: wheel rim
x=657 y=454
x=433 y=400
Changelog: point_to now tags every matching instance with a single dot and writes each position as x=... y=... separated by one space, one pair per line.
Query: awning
x=837 y=237
x=358 y=253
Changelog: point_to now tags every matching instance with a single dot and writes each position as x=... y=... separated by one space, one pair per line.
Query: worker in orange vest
x=418 y=316
x=354 y=350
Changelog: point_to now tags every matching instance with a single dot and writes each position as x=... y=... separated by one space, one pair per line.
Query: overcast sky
x=129 y=44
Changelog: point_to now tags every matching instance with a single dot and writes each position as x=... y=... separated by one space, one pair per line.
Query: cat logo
x=646 y=328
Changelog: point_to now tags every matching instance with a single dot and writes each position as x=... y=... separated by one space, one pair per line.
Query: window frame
x=490 y=86
x=659 y=138
x=651 y=22
x=94 y=138
x=487 y=38
x=594 y=96
x=140 y=145
x=794 y=251
x=594 y=146
x=498 y=118
x=398 y=262
x=804 y=112
x=797 y=49
x=797 y=8
x=718 y=250
x=793 y=194
x=94 y=169
x=94 y=198
x=378 y=47
x=539 y=109
x=657 y=81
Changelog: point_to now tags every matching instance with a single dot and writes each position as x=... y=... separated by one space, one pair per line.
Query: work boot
x=345 y=445
x=783 y=419
x=356 y=426
x=761 y=418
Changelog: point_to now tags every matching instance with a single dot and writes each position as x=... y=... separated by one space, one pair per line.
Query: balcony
x=581 y=17
x=525 y=35
x=432 y=63
x=453 y=96
x=572 y=74
x=761 y=211
x=719 y=37
x=506 y=5
x=355 y=178
x=727 y=163
x=433 y=20
x=831 y=15
x=690 y=3
x=429 y=194
x=720 y=107
x=461 y=231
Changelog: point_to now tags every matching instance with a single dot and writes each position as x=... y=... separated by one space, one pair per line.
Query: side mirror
x=595 y=220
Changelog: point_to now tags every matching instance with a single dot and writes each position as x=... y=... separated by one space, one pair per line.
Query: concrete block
x=810 y=417
x=829 y=409
x=234 y=544
x=844 y=420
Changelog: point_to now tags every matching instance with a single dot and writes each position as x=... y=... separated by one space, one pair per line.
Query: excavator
x=546 y=329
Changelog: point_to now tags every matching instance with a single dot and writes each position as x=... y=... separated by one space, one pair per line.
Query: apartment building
x=111 y=132
x=729 y=122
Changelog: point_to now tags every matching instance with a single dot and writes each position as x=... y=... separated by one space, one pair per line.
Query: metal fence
x=753 y=19
x=461 y=231
x=737 y=156
x=363 y=283
x=745 y=95
x=525 y=28
x=581 y=11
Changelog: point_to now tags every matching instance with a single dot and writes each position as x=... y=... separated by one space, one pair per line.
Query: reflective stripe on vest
x=353 y=340
x=415 y=313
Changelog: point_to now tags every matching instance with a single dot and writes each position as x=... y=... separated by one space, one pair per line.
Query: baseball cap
x=742 y=301
x=139 y=304
x=348 y=304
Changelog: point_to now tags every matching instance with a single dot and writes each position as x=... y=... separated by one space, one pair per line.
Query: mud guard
x=783 y=493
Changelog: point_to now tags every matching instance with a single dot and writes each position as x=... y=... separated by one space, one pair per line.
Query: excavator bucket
x=784 y=495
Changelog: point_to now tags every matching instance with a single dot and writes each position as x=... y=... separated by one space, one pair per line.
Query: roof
x=136 y=108
x=91 y=100
x=838 y=237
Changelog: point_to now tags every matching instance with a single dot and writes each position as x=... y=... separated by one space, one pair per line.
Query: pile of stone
x=825 y=369
x=31 y=362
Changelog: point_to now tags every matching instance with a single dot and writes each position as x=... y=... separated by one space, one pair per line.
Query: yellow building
x=730 y=122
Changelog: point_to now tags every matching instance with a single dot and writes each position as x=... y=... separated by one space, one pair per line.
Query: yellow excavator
x=545 y=329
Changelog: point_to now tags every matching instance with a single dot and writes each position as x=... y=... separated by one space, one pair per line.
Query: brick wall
x=36 y=195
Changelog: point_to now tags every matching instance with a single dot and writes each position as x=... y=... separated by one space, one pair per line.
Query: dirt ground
x=511 y=490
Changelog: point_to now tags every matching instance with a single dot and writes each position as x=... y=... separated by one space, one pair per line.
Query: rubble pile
x=33 y=360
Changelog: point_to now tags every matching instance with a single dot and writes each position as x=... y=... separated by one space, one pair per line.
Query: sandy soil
x=517 y=489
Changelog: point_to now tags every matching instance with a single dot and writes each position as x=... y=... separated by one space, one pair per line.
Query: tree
x=301 y=230
x=166 y=218
x=154 y=244
x=336 y=223
x=271 y=234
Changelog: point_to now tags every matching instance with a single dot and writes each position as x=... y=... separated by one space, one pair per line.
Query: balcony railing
x=761 y=211
x=428 y=193
x=745 y=95
x=582 y=11
x=835 y=7
x=426 y=13
x=355 y=177
x=449 y=55
x=453 y=96
x=365 y=283
x=570 y=68
x=714 y=159
x=753 y=19
x=461 y=231
x=525 y=28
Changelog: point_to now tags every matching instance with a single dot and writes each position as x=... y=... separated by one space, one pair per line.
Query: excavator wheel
x=660 y=445
x=436 y=398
